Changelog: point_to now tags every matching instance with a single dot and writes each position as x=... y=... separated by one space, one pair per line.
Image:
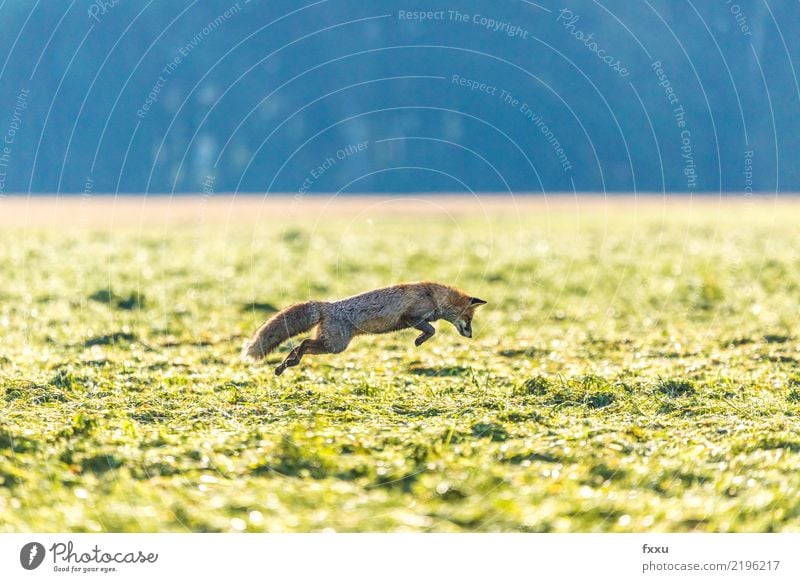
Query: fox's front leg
x=427 y=332
x=307 y=346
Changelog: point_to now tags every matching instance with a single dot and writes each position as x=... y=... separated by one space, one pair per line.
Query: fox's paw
x=421 y=339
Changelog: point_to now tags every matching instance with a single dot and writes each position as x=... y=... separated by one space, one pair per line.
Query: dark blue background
x=278 y=87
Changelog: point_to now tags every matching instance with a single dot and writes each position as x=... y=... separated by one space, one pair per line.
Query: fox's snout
x=464 y=323
x=464 y=328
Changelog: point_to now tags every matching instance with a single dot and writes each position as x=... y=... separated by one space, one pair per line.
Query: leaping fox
x=382 y=310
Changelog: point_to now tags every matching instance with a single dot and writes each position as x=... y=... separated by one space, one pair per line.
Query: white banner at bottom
x=396 y=557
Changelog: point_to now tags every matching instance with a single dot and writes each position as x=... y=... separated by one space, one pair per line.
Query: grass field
x=636 y=368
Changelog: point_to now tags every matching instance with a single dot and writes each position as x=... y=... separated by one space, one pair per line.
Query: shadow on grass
x=434 y=372
x=111 y=339
x=259 y=306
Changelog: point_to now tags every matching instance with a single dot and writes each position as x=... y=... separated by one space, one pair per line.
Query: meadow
x=636 y=368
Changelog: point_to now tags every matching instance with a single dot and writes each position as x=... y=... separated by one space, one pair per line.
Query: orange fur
x=384 y=310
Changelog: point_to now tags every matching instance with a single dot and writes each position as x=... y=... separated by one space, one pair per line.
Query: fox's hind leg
x=332 y=337
x=307 y=346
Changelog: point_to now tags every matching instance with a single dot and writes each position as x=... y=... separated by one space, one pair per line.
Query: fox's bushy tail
x=280 y=327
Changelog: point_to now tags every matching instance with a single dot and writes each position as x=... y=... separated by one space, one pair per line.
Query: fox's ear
x=475 y=301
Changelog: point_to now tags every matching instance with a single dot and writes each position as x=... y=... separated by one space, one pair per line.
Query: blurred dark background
x=217 y=96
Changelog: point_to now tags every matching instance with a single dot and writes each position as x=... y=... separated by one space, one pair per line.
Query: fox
x=385 y=310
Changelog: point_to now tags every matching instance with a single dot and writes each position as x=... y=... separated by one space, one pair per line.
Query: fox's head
x=462 y=315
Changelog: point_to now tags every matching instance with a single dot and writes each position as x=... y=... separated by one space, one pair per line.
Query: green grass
x=636 y=369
